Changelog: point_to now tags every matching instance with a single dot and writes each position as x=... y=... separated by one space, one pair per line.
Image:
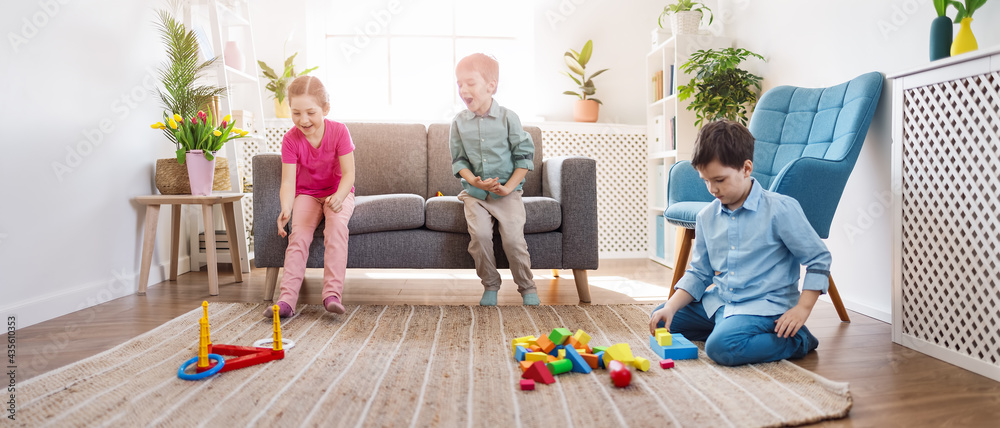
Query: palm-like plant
x=278 y=85
x=181 y=93
x=577 y=63
x=721 y=89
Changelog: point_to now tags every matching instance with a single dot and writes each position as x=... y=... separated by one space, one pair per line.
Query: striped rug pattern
x=414 y=366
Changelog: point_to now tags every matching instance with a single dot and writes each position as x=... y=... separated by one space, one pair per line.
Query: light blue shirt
x=757 y=251
x=492 y=145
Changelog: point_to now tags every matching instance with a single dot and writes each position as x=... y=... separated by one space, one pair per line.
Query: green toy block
x=559 y=335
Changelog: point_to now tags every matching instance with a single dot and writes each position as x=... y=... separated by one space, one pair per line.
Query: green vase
x=941 y=37
x=965 y=41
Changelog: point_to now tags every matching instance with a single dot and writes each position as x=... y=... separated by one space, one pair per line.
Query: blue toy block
x=681 y=349
x=520 y=352
x=600 y=360
x=579 y=364
x=555 y=351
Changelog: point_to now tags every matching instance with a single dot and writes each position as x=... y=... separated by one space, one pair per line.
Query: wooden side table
x=153 y=203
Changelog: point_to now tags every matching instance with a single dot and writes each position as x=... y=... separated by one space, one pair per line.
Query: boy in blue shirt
x=491 y=153
x=741 y=293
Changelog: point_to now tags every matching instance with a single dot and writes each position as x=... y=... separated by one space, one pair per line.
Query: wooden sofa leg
x=837 y=303
x=685 y=237
x=582 y=286
x=270 y=281
x=555 y=273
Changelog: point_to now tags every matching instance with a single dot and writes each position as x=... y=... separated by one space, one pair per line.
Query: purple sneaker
x=332 y=304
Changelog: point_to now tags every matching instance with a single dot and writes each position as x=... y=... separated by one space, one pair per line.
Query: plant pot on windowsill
x=171 y=178
x=585 y=110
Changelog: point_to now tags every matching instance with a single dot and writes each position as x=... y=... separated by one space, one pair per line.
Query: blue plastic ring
x=199 y=376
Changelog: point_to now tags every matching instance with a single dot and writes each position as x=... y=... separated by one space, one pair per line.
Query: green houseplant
x=586 y=107
x=278 y=84
x=720 y=89
x=685 y=16
x=965 y=41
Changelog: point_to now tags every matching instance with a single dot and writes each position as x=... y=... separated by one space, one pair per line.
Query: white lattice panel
x=950 y=263
x=620 y=151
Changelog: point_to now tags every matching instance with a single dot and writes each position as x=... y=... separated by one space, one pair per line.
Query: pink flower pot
x=201 y=172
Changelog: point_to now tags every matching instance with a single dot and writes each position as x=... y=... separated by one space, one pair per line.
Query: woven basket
x=172 y=178
x=686 y=22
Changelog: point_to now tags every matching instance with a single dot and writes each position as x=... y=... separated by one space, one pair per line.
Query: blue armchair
x=807 y=142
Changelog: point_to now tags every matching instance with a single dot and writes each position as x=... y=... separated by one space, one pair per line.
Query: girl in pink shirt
x=317 y=183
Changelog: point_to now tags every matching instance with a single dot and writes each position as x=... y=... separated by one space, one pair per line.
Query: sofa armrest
x=572 y=180
x=269 y=248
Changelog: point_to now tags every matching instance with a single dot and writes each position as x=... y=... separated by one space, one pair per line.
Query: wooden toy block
x=663 y=337
x=597 y=349
x=559 y=335
x=561 y=354
x=681 y=349
x=591 y=359
x=535 y=348
x=667 y=364
x=520 y=341
x=580 y=365
x=572 y=342
x=560 y=366
x=519 y=353
x=619 y=351
x=546 y=344
x=582 y=337
x=641 y=364
x=527 y=385
x=600 y=359
x=539 y=372
x=551 y=358
x=536 y=356
x=525 y=364
x=555 y=351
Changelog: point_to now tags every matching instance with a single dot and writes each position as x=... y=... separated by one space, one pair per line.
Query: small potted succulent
x=278 y=84
x=685 y=16
x=586 y=107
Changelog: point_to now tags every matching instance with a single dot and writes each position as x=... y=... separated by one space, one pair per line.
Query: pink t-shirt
x=317 y=170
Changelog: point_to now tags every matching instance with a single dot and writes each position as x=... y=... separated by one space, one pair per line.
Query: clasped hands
x=490 y=185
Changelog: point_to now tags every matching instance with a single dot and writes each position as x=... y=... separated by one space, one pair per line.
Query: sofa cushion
x=381 y=213
x=447 y=214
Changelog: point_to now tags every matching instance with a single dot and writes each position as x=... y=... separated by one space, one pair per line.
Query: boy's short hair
x=486 y=65
x=724 y=140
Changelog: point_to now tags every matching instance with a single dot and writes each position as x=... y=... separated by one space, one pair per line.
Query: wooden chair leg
x=555 y=273
x=682 y=253
x=837 y=303
x=270 y=281
x=582 y=286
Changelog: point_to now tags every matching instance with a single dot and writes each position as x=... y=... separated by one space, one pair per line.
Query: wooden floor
x=891 y=385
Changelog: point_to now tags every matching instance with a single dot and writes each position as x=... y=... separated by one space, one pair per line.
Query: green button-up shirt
x=491 y=146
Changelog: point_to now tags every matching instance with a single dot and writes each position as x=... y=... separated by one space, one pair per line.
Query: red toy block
x=546 y=344
x=538 y=372
x=667 y=363
x=527 y=385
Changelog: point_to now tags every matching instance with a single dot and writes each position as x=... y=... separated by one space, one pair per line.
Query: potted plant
x=720 y=88
x=685 y=16
x=586 y=108
x=278 y=84
x=965 y=41
x=199 y=137
x=181 y=94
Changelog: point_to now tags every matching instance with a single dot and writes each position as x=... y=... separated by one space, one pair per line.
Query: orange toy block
x=552 y=358
x=576 y=344
x=591 y=359
x=546 y=344
x=535 y=348
x=525 y=364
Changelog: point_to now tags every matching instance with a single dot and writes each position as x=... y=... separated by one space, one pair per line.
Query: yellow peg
x=203 y=344
x=204 y=310
x=277 y=330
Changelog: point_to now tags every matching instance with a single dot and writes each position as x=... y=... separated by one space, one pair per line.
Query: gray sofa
x=398 y=221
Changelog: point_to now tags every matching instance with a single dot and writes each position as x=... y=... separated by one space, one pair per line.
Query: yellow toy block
x=562 y=354
x=619 y=351
x=641 y=364
x=663 y=337
x=523 y=341
x=536 y=356
x=582 y=337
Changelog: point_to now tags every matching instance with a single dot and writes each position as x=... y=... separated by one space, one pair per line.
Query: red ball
x=620 y=374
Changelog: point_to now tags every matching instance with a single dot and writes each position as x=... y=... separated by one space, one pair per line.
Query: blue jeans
x=739 y=339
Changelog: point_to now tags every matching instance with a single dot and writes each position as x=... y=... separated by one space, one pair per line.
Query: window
x=395 y=59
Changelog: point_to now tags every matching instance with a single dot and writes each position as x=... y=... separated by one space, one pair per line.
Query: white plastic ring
x=269 y=343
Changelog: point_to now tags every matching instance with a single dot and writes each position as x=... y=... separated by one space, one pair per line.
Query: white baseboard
x=52 y=305
x=623 y=255
x=864 y=309
x=952 y=357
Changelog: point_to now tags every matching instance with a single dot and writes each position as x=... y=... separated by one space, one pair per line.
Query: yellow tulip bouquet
x=198 y=133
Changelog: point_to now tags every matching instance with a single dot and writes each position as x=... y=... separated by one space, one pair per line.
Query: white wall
x=823 y=43
x=77 y=148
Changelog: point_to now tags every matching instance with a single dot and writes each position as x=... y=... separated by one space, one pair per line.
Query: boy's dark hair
x=724 y=140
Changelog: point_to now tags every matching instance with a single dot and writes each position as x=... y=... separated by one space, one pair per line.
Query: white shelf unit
x=671 y=131
x=218 y=22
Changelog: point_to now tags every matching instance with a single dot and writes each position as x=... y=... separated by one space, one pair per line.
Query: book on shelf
x=658 y=86
x=673 y=133
x=670 y=84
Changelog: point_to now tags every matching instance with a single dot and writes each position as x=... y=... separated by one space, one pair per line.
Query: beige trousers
x=509 y=212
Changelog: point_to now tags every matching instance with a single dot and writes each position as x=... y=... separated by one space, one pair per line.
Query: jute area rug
x=414 y=366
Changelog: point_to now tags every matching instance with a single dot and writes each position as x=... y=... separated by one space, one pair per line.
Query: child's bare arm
x=679 y=300
x=336 y=200
x=512 y=182
x=792 y=320
x=286 y=195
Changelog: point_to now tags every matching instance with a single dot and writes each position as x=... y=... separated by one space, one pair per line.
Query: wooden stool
x=153 y=203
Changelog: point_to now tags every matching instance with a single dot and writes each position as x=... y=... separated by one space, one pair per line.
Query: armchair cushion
x=684 y=214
